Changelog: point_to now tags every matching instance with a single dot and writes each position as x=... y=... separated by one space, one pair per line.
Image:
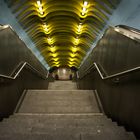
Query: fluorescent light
x=85 y=3
x=45 y=27
x=76 y=41
x=38 y=3
x=41 y=12
x=40 y=9
x=82 y=13
x=79 y=27
x=49 y=41
x=84 y=9
x=46 y=30
x=79 y=31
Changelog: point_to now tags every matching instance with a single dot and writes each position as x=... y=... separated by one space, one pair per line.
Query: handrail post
x=47 y=75
x=77 y=74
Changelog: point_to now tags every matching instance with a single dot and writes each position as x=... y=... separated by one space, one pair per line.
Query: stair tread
x=60 y=125
x=61 y=115
x=58 y=122
x=68 y=136
x=101 y=136
x=61 y=91
x=40 y=137
x=98 y=135
x=59 y=129
x=37 y=101
x=62 y=85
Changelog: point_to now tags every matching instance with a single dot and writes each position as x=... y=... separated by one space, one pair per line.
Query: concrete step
x=57 y=125
x=69 y=136
x=59 y=85
x=61 y=115
x=41 y=137
x=102 y=133
x=57 y=109
x=41 y=129
x=57 y=116
x=57 y=121
x=63 y=92
x=59 y=102
x=102 y=136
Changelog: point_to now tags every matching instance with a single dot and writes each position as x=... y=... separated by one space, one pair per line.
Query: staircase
x=61 y=115
x=62 y=85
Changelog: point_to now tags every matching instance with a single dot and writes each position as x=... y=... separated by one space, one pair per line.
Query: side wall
x=12 y=52
x=115 y=53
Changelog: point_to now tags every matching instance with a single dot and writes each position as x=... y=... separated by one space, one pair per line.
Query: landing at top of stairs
x=62 y=85
x=61 y=101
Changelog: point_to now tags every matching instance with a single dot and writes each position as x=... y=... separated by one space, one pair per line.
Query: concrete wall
x=115 y=53
x=119 y=95
x=12 y=52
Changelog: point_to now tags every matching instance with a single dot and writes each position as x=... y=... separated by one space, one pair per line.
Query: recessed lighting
x=84 y=9
x=85 y=3
x=38 y=3
x=82 y=13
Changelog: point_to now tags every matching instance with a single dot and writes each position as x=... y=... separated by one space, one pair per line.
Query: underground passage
x=69 y=70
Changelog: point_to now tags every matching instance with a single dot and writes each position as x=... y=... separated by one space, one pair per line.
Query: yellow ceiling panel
x=63 y=31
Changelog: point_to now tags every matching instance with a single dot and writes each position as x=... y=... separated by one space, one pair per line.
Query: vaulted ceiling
x=63 y=30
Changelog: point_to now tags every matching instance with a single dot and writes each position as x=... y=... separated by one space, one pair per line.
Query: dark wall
x=11 y=90
x=115 y=53
x=13 y=50
x=120 y=98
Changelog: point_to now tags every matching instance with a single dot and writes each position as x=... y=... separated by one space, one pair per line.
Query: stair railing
x=104 y=75
x=16 y=72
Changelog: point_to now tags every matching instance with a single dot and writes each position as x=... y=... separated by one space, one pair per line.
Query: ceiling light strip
x=40 y=7
x=84 y=8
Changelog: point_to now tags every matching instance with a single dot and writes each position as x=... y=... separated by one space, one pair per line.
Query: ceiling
x=63 y=30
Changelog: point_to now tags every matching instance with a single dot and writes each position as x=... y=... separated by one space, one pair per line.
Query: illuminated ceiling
x=63 y=30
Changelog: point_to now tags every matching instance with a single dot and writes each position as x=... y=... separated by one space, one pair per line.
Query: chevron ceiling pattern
x=63 y=30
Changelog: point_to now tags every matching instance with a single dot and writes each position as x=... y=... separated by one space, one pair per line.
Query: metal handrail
x=110 y=76
x=131 y=29
x=86 y=71
x=24 y=64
